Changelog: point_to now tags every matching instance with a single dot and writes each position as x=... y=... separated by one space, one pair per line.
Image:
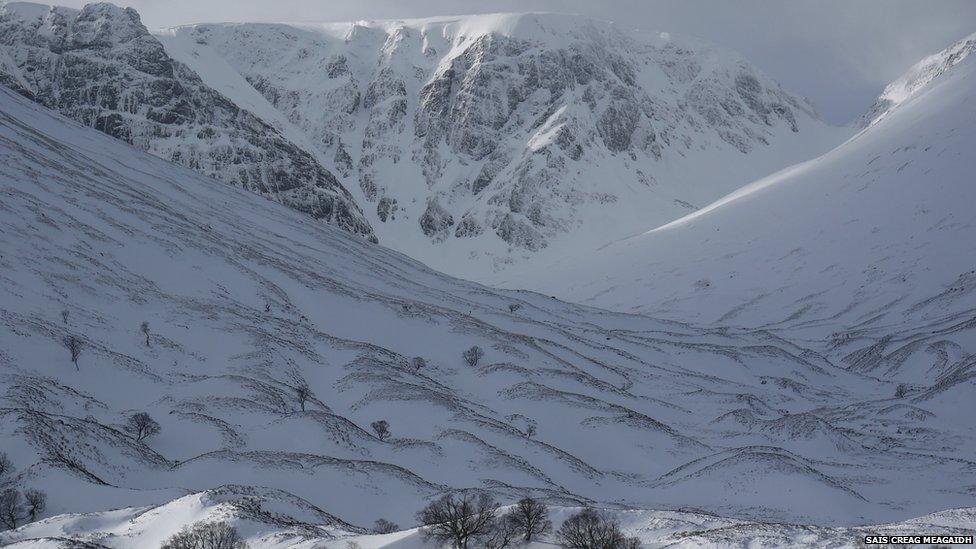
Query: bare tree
x=211 y=535
x=512 y=307
x=381 y=428
x=530 y=431
x=901 y=391
x=303 y=392
x=531 y=518
x=503 y=533
x=142 y=426
x=473 y=356
x=458 y=519
x=383 y=526
x=36 y=503
x=64 y=316
x=73 y=345
x=590 y=529
x=10 y=508
x=419 y=363
x=145 y=330
x=631 y=543
x=6 y=466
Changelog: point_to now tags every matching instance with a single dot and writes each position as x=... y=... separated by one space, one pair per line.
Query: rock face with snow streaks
x=101 y=67
x=480 y=141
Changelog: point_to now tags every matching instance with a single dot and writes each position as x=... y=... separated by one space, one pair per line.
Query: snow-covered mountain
x=879 y=230
x=243 y=308
x=477 y=142
x=917 y=79
x=101 y=67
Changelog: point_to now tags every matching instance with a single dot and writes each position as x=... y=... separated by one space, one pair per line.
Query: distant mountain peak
x=917 y=79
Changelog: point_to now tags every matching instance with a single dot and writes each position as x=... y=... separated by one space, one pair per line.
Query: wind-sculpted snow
x=102 y=68
x=483 y=141
x=242 y=310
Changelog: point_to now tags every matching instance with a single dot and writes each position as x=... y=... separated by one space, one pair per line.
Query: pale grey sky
x=839 y=53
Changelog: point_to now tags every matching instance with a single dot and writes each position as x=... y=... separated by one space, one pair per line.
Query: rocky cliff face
x=101 y=67
x=490 y=138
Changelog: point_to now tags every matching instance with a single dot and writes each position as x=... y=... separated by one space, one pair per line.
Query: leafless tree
x=303 y=392
x=73 y=345
x=36 y=503
x=458 y=519
x=419 y=363
x=6 y=466
x=142 y=426
x=512 y=307
x=10 y=508
x=383 y=526
x=64 y=316
x=211 y=535
x=504 y=532
x=381 y=428
x=145 y=330
x=590 y=529
x=901 y=391
x=531 y=518
x=530 y=431
x=473 y=356
x=631 y=543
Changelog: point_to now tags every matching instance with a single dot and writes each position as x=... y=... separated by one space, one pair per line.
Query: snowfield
x=630 y=412
x=790 y=366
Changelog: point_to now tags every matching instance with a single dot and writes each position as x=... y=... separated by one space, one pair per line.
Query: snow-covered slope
x=101 y=67
x=244 y=308
x=918 y=78
x=481 y=141
x=272 y=520
x=880 y=231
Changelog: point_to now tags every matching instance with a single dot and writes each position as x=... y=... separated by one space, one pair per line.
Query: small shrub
x=303 y=392
x=73 y=344
x=381 y=428
x=383 y=526
x=473 y=356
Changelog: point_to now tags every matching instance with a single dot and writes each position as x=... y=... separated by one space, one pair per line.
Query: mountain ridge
x=469 y=170
x=142 y=96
